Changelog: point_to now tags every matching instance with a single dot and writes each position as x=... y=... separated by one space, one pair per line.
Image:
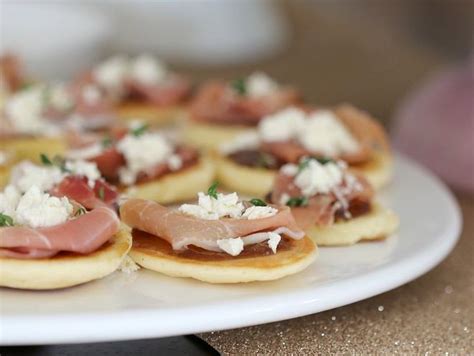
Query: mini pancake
x=377 y=224
x=258 y=181
x=153 y=115
x=65 y=269
x=211 y=136
x=175 y=187
x=378 y=170
x=251 y=265
x=29 y=148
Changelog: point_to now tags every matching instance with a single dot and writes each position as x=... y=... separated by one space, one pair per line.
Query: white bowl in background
x=54 y=40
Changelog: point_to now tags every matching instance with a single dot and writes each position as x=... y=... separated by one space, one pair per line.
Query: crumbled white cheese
x=320 y=132
x=284 y=199
x=24 y=111
x=259 y=212
x=284 y=125
x=27 y=174
x=148 y=70
x=319 y=178
x=209 y=208
x=128 y=265
x=38 y=209
x=273 y=241
x=259 y=84
x=142 y=152
x=232 y=246
x=175 y=162
x=86 y=152
x=9 y=199
x=112 y=73
x=59 y=97
x=289 y=169
x=245 y=141
x=91 y=94
x=86 y=169
x=326 y=135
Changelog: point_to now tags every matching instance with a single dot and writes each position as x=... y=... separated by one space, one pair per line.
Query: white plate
x=147 y=304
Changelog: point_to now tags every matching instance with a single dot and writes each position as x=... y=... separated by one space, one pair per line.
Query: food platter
x=145 y=304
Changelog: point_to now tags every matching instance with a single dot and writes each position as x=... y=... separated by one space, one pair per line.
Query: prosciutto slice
x=172 y=91
x=321 y=208
x=76 y=188
x=83 y=235
x=181 y=230
x=217 y=104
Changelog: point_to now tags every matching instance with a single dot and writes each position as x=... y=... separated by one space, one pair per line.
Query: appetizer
x=222 y=110
x=148 y=164
x=140 y=87
x=219 y=240
x=332 y=205
x=249 y=163
x=57 y=227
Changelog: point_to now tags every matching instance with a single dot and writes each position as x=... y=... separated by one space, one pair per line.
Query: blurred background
x=408 y=62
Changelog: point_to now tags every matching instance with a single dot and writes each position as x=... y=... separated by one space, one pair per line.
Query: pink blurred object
x=435 y=126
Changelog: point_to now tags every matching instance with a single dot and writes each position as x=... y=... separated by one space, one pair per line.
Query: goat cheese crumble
x=234 y=246
x=225 y=205
x=112 y=73
x=325 y=134
x=24 y=111
x=259 y=212
x=27 y=174
x=259 y=84
x=34 y=208
x=86 y=169
x=316 y=177
x=148 y=70
x=284 y=125
x=141 y=153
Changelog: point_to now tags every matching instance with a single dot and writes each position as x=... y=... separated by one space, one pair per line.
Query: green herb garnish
x=238 y=85
x=80 y=211
x=297 y=201
x=45 y=160
x=106 y=142
x=304 y=162
x=57 y=161
x=101 y=193
x=6 y=220
x=324 y=160
x=139 y=130
x=212 y=191
x=257 y=202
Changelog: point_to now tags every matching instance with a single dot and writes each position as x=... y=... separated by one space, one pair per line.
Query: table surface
x=433 y=314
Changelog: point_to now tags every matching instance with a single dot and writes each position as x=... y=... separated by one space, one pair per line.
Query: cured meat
x=173 y=91
x=321 y=208
x=188 y=156
x=76 y=188
x=182 y=231
x=11 y=72
x=216 y=103
x=109 y=163
x=83 y=235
